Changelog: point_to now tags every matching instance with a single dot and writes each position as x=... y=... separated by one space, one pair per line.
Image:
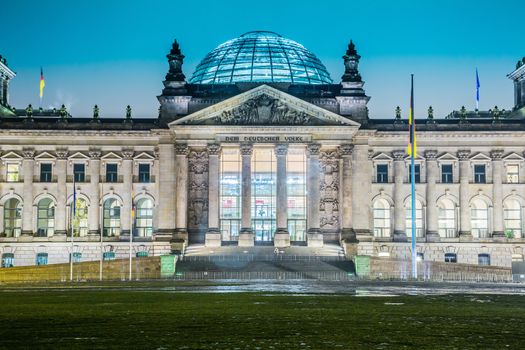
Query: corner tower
x=518 y=76
x=6 y=75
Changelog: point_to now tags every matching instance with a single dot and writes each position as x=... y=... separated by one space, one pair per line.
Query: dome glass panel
x=260 y=57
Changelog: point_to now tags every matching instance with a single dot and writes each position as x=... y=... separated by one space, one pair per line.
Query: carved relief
x=263 y=110
x=198 y=189
x=329 y=190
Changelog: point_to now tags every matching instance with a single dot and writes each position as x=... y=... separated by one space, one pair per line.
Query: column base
x=281 y=239
x=26 y=233
x=25 y=238
x=399 y=236
x=348 y=235
x=60 y=238
x=314 y=239
x=60 y=233
x=163 y=235
x=213 y=238
x=432 y=236
x=465 y=236
x=363 y=235
x=499 y=236
x=246 y=238
x=124 y=236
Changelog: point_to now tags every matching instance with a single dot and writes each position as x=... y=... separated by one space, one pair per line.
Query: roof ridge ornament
x=351 y=59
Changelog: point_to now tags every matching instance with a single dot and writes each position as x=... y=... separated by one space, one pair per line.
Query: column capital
x=94 y=153
x=398 y=155
x=431 y=154
x=313 y=149
x=182 y=149
x=496 y=154
x=246 y=149
x=281 y=149
x=61 y=153
x=28 y=153
x=214 y=149
x=346 y=149
x=464 y=154
x=127 y=154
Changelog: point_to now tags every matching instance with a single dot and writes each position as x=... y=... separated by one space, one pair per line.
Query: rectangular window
x=479 y=174
x=41 y=259
x=513 y=174
x=111 y=172
x=8 y=260
x=451 y=258
x=108 y=256
x=417 y=173
x=382 y=173
x=46 y=172
x=446 y=174
x=79 y=172
x=13 y=172
x=77 y=257
x=144 y=173
x=484 y=259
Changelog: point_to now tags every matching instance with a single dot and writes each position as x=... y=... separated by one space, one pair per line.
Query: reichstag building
x=260 y=147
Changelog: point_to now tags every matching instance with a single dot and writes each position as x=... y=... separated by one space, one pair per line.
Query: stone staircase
x=261 y=262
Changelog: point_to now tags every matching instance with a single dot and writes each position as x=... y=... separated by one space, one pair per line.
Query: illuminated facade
x=260 y=147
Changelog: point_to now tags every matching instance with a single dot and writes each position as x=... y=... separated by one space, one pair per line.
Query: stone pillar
x=246 y=236
x=497 y=193
x=27 y=209
x=347 y=233
x=282 y=236
x=432 y=234
x=361 y=192
x=60 y=212
x=127 y=186
x=213 y=236
x=314 y=236
x=464 y=193
x=181 y=192
x=94 y=208
x=2 y=102
x=399 y=208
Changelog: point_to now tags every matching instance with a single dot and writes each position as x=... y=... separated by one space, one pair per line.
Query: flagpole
x=101 y=252
x=477 y=90
x=413 y=179
x=72 y=223
x=131 y=232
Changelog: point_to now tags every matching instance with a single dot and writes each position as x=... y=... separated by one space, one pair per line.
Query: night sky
x=112 y=53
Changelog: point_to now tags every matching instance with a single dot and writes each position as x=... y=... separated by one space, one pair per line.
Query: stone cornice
x=496 y=154
x=346 y=149
x=214 y=149
x=182 y=149
x=463 y=154
x=431 y=154
x=398 y=155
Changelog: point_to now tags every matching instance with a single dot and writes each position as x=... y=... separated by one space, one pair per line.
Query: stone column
x=27 y=209
x=213 y=236
x=314 y=236
x=432 y=234
x=127 y=186
x=246 y=236
x=464 y=193
x=60 y=212
x=347 y=233
x=361 y=192
x=181 y=193
x=282 y=236
x=2 y=102
x=94 y=208
x=399 y=208
x=497 y=193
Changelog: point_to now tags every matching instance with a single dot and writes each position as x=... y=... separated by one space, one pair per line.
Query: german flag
x=412 y=122
x=42 y=83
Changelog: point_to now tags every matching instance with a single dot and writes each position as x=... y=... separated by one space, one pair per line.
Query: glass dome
x=260 y=56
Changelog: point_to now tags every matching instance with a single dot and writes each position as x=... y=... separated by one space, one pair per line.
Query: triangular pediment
x=12 y=155
x=382 y=156
x=480 y=157
x=447 y=157
x=513 y=157
x=144 y=156
x=78 y=156
x=111 y=156
x=264 y=105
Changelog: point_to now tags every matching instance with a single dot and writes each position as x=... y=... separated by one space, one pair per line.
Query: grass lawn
x=154 y=319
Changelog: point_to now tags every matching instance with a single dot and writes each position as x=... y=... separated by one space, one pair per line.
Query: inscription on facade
x=264 y=139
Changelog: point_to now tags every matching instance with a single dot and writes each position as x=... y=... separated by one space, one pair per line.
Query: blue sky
x=112 y=53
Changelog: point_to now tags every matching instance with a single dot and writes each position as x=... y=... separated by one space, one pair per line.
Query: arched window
x=45 y=217
x=80 y=219
x=111 y=224
x=144 y=218
x=419 y=218
x=381 y=218
x=12 y=218
x=512 y=217
x=446 y=218
x=479 y=218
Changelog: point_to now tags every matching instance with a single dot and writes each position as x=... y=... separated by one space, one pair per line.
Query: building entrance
x=263 y=229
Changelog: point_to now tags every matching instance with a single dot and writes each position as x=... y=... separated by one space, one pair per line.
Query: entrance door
x=297 y=229
x=264 y=229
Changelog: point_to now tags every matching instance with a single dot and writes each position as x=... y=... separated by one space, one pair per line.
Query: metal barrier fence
x=266 y=275
x=253 y=257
